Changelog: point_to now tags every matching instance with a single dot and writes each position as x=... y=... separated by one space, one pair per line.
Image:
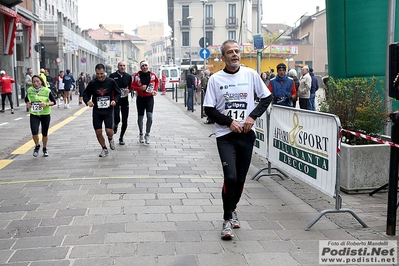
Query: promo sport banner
x=304 y=144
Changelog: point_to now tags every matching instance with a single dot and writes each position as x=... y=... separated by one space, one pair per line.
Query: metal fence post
x=393 y=180
x=202 y=103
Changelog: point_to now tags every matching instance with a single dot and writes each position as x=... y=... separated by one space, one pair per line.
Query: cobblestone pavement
x=157 y=204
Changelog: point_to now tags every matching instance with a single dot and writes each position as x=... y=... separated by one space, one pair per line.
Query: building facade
x=118 y=46
x=44 y=34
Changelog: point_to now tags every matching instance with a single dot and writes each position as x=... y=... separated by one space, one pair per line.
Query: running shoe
x=2 y=111
x=111 y=144
x=235 y=221
x=141 y=138
x=45 y=152
x=104 y=152
x=36 y=151
x=147 y=139
x=115 y=129
x=12 y=111
x=227 y=230
x=121 y=142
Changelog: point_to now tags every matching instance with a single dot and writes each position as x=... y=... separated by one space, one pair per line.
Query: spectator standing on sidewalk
x=294 y=75
x=68 y=80
x=282 y=87
x=28 y=78
x=191 y=88
x=28 y=81
x=39 y=99
x=163 y=84
x=305 y=82
x=6 y=90
x=81 y=86
x=313 y=88
x=102 y=93
x=232 y=107
x=123 y=80
x=146 y=84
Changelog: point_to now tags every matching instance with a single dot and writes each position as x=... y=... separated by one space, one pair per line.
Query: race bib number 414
x=236 y=110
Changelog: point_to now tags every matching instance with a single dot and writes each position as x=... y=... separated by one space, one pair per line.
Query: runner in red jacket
x=146 y=84
x=6 y=90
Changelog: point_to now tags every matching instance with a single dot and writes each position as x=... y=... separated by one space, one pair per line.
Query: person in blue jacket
x=282 y=87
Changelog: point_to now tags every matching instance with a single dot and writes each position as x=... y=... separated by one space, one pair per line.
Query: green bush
x=359 y=104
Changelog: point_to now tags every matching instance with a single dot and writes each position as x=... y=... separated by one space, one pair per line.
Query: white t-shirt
x=233 y=95
x=60 y=83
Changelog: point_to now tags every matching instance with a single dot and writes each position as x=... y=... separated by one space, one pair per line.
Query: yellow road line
x=4 y=163
x=30 y=144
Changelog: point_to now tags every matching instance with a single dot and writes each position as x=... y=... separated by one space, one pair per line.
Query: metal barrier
x=306 y=145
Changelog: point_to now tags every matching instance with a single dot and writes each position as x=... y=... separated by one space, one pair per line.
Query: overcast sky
x=131 y=14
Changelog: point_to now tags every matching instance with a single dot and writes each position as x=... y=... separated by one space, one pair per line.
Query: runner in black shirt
x=123 y=80
x=102 y=94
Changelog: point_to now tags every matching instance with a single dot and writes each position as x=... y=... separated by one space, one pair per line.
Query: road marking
x=3 y=124
x=4 y=163
x=30 y=144
x=99 y=178
x=19 y=118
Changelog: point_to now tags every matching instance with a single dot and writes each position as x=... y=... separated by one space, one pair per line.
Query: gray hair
x=292 y=73
x=222 y=49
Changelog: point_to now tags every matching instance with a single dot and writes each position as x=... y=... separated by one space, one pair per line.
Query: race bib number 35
x=236 y=110
x=103 y=102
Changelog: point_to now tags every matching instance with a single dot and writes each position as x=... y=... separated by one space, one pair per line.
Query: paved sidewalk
x=160 y=204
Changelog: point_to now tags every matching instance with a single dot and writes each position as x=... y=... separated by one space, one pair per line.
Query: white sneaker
x=147 y=139
x=65 y=106
x=104 y=152
x=112 y=144
x=68 y=106
x=141 y=138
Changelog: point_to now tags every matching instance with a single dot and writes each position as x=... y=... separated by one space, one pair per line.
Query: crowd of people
x=233 y=109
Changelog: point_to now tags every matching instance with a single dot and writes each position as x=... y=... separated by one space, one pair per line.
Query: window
x=209 y=14
x=185 y=13
x=232 y=35
x=186 y=38
x=232 y=18
x=209 y=36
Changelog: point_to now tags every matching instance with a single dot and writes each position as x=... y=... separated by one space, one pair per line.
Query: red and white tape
x=364 y=136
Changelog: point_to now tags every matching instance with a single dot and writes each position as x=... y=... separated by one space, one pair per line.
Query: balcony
x=232 y=22
x=210 y=23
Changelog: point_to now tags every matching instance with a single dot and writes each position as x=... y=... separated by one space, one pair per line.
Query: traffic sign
x=58 y=60
x=83 y=60
x=258 y=42
x=205 y=53
x=201 y=42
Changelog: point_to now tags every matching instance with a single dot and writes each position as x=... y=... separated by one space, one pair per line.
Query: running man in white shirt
x=229 y=101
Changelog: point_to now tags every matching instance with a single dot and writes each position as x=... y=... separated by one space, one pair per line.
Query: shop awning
x=10 y=27
x=27 y=34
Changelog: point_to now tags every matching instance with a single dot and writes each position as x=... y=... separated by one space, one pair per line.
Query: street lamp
x=189 y=21
x=205 y=44
x=313 y=46
x=288 y=61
